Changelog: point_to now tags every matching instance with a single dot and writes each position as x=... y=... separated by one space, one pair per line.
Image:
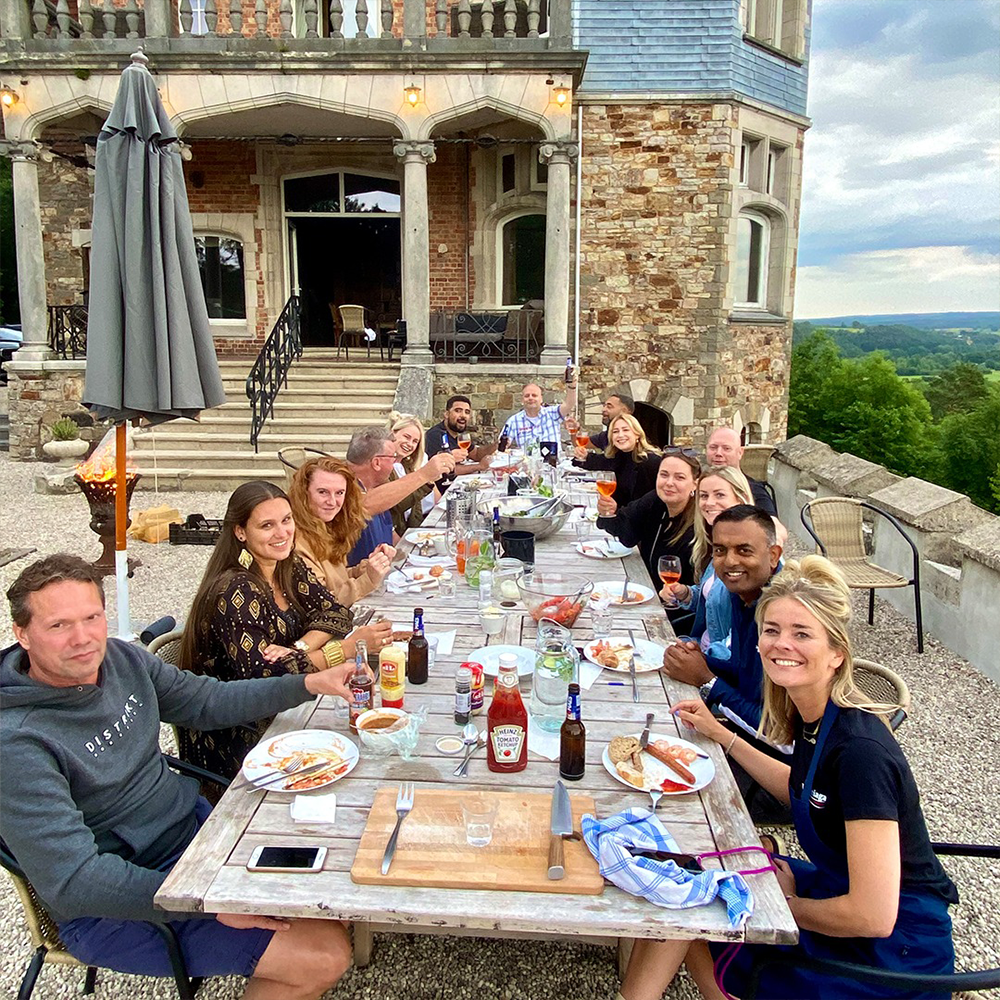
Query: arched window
x=656 y=423
x=220 y=261
x=753 y=238
x=751 y=434
x=522 y=260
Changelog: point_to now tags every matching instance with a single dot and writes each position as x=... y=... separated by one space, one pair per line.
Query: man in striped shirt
x=537 y=422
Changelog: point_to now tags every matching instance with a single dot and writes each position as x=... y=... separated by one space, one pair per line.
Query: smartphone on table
x=287 y=859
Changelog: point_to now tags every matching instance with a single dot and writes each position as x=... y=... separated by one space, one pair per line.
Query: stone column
x=416 y=249
x=559 y=156
x=15 y=20
x=31 y=289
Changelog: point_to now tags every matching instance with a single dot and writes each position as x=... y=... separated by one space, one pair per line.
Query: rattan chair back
x=839 y=524
x=883 y=685
x=755 y=460
x=168 y=647
x=42 y=928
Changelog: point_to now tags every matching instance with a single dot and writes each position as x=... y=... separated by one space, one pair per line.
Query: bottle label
x=507 y=742
x=573 y=705
x=418 y=623
x=463 y=702
x=362 y=699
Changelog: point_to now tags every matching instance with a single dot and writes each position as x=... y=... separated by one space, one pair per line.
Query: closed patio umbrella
x=149 y=347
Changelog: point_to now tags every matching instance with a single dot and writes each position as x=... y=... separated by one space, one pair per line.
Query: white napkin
x=315 y=807
x=398 y=582
x=540 y=742
x=589 y=672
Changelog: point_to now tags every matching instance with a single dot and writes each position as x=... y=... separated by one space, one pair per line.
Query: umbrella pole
x=121 y=523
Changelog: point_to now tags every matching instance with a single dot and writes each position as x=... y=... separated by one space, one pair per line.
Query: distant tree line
x=945 y=429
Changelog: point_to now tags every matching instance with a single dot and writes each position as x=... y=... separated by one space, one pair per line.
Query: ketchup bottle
x=507 y=721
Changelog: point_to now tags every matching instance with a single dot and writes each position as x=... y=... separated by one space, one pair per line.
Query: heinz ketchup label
x=507 y=742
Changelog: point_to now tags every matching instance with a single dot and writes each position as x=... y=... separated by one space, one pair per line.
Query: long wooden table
x=211 y=876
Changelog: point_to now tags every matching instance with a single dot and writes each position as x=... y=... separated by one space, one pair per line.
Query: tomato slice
x=673 y=786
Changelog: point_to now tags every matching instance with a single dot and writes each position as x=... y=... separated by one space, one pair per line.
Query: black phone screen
x=287 y=857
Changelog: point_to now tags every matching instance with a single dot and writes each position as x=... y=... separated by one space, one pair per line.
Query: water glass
x=446 y=586
x=602 y=618
x=480 y=815
x=582 y=528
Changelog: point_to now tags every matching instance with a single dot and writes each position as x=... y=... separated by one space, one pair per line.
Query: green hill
x=921 y=321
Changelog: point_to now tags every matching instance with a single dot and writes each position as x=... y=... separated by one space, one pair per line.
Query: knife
x=277 y=779
x=644 y=738
x=561 y=826
x=631 y=666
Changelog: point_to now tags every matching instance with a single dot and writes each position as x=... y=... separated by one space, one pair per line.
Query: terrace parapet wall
x=958 y=543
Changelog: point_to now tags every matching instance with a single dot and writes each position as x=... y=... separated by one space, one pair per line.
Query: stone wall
x=657 y=188
x=65 y=190
x=957 y=543
x=753 y=377
x=40 y=396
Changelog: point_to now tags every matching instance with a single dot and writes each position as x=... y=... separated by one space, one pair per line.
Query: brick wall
x=446 y=202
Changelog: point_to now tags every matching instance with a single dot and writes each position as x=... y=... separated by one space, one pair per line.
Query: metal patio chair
x=44 y=932
x=293 y=458
x=906 y=983
x=836 y=525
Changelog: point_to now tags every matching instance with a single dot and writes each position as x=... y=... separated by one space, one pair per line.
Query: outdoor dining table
x=211 y=875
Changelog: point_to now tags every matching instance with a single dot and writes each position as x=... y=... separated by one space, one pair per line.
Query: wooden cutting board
x=432 y=850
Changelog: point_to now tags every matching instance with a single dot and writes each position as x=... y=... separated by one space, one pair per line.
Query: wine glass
x=606 y=482
x=465 y=443
x=581 y=437
x=669 y=570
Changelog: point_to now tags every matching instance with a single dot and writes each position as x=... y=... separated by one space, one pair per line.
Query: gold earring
x=245 y=559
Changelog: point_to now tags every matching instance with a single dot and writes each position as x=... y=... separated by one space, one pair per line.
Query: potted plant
x=65 y=445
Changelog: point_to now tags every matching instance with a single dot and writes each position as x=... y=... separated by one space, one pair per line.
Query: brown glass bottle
x=572 y=739
x=362 y=685
x=417 y=651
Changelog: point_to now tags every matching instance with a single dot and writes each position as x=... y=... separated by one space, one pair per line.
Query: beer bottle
x=572 y=739
x=362 y=684
x=497 y=549
x=416 y=652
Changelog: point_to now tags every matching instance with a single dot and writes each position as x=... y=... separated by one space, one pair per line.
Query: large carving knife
x=561 y=826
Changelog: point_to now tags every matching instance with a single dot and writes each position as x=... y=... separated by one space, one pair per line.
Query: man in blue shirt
x=536 y=422
x=371 y=455
x=745 y=555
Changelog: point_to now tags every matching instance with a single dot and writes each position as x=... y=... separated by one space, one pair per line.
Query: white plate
x=656 y=771
x=264 y=761
x=418 y=574
x=603 y=548
x=649 y=658
x=489 y=657
x=612 y=591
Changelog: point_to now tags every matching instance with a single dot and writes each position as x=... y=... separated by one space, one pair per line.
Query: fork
x=655 y=794
x=293 y=763
x=404 y=803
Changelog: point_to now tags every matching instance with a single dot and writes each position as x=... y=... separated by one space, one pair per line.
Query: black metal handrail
x=270 y=370
x=68 y=331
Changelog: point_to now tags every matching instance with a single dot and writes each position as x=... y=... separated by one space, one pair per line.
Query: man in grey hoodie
x=93 y=814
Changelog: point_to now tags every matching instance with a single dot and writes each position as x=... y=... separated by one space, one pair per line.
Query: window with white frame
x=753 y=237
x=199 y=24
x=778 y=23
x=220 y=262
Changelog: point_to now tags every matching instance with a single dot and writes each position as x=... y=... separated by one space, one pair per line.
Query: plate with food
x=613 y=654
x=416 y=574
x=303 y=748
x=603 y=548
x=429 y=548
x=611 y=591
x=668 y=763
x=489 y=657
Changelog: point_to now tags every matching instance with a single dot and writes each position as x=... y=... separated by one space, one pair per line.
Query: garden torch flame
x=100 y=467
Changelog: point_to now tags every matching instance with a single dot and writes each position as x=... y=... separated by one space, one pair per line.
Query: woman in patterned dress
x=260 y=612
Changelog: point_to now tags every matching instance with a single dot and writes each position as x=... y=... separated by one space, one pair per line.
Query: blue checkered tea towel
x=661 y=882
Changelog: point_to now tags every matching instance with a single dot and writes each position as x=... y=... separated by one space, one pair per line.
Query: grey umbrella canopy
x=149 y=346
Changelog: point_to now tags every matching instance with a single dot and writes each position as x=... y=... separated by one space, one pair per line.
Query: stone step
x=306 y=419
x=166 y=441
x=292 y=405
x=190 y=479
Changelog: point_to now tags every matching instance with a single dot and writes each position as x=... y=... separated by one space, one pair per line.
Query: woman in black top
x=661 y=522
x=873 y=891
x=260 y=612
x=628 y=455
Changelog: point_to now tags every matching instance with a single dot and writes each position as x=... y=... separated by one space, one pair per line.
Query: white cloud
x=914 y=279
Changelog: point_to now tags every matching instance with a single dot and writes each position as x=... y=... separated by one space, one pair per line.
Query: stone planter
x=64 y=452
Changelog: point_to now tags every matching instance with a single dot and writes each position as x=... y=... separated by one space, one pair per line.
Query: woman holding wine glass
x=661 y=522
x=629 y=456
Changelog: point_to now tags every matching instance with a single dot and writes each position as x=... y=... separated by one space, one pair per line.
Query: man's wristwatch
x=302 y=645
x=706 y=689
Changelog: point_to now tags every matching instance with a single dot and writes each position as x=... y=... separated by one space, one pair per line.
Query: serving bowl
x=555 y=595
x=512 y=520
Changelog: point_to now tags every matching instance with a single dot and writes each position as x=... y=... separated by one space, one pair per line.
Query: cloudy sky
x=901 y=187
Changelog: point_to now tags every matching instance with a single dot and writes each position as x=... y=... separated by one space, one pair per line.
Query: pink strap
x=721 y=964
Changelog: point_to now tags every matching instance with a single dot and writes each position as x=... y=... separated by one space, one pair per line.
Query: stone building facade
x=683 y=120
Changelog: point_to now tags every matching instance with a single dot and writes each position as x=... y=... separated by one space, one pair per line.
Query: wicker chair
x=352 y=324
x=836 y=525
x=293 y=458
x=883 y=685
x=754 y=461
x=45 y=933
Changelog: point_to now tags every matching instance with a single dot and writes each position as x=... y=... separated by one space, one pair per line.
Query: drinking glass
x=669 y=569
x=606 y=482
x=479 y=815
x=465 y=443
x=582 y=528
x=603 y=619
x=446 y=586
x=582 y=438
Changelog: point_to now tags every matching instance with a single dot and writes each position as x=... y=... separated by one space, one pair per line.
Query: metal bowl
x=540 y=527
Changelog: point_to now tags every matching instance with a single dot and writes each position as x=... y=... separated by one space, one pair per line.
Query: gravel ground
x=948 y=739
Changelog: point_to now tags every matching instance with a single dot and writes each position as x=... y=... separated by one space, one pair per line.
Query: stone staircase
x=325 y=401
